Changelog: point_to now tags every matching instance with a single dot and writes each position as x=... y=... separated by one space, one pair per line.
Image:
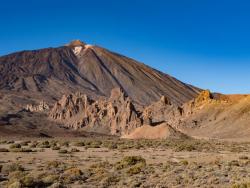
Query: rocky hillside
x=221 y=116
x=207 y=116
x=47 y=74
x=116 y=115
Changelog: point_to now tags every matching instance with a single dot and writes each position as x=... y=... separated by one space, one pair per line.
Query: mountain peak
x=90 y=70
x=75 y=43
x=77 y=46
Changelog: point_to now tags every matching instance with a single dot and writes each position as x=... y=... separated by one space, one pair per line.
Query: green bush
x=15 y=184
x=54 y=164
x=22 y=180
x=17 y=175
x=129 y=161
x=25 y=143
x=64 y=144
x=75 y=150
x=3 y=142
x=4 y=150
x=28 y=181
x=94 y=144
x=63 y=151
x=136 y=169
x=56 y=148
x=110 y=145
x=34 y=144
x=241 y=185
x=243 y=157
x=79 y=144
x=72 y=174
x=22 y=150
x=50 y=179
x=10 y=142
x=184 y=162
x=234 y=163
x=11 y=168
x=110 y=180
x=53 y=143
x=14 y=146
x=185 y=147
x=44 y=144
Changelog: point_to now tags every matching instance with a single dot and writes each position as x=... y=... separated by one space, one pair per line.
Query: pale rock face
x=119 y=117
x=42 y=106
x=161 y=111
x=77 y=50
x=116 y=114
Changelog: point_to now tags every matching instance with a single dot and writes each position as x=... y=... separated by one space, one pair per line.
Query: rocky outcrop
x=203 y=100
x=161 y=111
x=70 y=106
x=177 y=116
x=41 y=107
x=116 y=114
x=207 y=116
x=161 y=131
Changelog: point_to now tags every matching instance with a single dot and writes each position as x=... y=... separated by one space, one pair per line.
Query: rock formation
x=41 y=107
x=117 y=114
x=161 y=111
x=208 y=115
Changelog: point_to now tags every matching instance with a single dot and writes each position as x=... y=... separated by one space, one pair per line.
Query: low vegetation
x=112 y=162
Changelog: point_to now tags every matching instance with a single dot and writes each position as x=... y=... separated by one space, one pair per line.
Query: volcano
x=36 y=80
x=47 y=74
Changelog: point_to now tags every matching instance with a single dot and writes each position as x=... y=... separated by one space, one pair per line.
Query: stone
x=41 y=107
x=117 y=113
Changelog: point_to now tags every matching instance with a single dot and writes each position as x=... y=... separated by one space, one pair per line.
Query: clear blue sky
x=202 y=42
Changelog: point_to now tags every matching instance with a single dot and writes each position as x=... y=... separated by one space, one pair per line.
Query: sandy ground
x=165 y=166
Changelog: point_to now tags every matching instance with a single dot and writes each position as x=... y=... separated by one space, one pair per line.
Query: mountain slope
x=47 y=74
x=142 y=83
x=223 y=116
x=206 y=116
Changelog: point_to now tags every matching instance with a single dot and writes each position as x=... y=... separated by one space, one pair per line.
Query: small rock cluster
x=42 y=106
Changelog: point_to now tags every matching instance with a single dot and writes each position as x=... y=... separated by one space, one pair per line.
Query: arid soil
x=110 y=162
